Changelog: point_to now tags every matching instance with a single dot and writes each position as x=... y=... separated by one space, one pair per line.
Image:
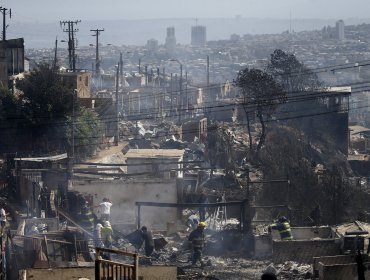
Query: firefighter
x=197 y=240
x=283 y=226
x=87 y=218
x=97 y=235
x=106 y=234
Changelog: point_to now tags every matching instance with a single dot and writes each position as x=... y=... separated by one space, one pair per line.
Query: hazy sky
x=53 y=10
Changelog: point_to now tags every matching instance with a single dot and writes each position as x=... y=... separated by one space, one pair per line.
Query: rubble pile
x=291 y=270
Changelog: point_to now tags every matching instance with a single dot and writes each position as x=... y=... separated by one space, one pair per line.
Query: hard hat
x=107 y=224
x=99 y=226
x=283 y=219
x=202 y=224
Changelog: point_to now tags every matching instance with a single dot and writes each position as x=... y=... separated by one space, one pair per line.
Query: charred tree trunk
x=263 y=133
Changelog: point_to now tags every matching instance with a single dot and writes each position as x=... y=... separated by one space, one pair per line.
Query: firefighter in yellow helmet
x=197 y=239
x=283 y=226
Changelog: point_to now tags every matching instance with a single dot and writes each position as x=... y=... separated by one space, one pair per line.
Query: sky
x=52 y=10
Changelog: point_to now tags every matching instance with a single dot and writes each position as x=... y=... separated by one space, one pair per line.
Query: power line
x=69 y=27
x=5 y=13
x=97 y=58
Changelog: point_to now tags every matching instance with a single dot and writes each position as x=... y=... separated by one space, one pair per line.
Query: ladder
x=219 y=217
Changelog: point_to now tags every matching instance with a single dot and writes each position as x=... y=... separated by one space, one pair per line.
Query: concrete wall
x=160 y=167
x=145 y=273
x=304 y=250
x=341 y=271
x=58 y=273
x=124 y=194
x=334 y=261
x=305 y=233
x=262 y=246
x=157 y=272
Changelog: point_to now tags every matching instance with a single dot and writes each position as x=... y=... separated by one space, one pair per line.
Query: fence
x=114 y=270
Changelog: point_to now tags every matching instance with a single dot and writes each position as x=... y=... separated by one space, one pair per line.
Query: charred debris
x=51 y=228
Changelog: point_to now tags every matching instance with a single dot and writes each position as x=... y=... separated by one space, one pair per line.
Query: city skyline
x=46 y=10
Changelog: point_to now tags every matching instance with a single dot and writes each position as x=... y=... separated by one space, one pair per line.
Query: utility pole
x=116 y=139
x=121 y=68
x=55 y=62
x=146 y=75
x=181 y=97
x=208 y=89
x=69 y=27
x=171 y=88
x=3 y=10
x=186 y=93
x=71 y=154
x=207 y=71
x=97 y=60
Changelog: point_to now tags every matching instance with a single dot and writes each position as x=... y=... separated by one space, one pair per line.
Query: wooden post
x=47 y=250
x=136 y=268
x=75 y=246
x=138 y=216
x=97 y=269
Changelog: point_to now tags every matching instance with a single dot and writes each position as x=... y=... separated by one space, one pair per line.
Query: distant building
x=339 y=30
x=198 y=36
x=170 y=41
x=152 y=46
x=234 y=37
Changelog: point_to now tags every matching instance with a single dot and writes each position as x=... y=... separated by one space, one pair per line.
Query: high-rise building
x=152 y=46
x=198 y=36
x=170 y=41
x=339 y=30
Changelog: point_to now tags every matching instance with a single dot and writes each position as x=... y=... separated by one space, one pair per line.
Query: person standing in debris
x=147 y=237
x=197 y=239
x=192 y=221
x=97 y=235
x=202 y=209
x=104 y=209
x=2 y=219
x=106 y=234
x=283 y=226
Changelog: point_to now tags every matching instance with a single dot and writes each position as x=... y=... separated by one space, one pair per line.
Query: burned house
x=11 y=61
x=143 y=103
x=81 y=81
x=194 y=129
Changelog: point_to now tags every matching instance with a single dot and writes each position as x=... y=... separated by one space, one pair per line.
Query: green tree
x=45 y=96
x=46 y=108
x=262 y=94
x=8 y=107
x=87 y=134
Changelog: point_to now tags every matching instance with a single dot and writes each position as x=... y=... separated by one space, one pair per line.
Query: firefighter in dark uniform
x=283 y=227
x=197 y=239
x=87 y=218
